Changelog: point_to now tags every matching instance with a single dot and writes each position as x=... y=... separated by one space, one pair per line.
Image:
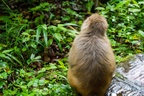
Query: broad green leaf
x=1 y=47
x=61 y=28
x=100 y=8
x=33 y=45
x=51 y=66
x=2 y=55
x=54 y=28
x=3 y=64
x=32 y=56
x=35 y=84
x=72 y=33
x=41 y=82
x=24 y=49
x=7 y=51
x=25 y=33
x=61 y=64
x=134 y=1
x=25 y=39
x=119 y=5
x=44 y=27
x=60 y=46
x=50 y=41
x=141 y=2
x=37 y=57
x=141 y=33
x=3 y=75
x=30 y=83
x=42 y=70
x=2 y=84
x=40 y=75
x=134 y=10
x=89 y=5
x=58 y=36
x=45 y=37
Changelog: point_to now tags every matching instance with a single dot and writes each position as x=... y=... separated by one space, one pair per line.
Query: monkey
x=91 y=58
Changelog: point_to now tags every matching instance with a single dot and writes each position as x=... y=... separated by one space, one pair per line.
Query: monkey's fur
x=91 y=59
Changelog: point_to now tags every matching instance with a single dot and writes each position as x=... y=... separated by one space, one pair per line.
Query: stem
x=6 y=5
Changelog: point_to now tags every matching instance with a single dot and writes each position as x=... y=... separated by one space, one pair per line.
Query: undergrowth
x=35 y=40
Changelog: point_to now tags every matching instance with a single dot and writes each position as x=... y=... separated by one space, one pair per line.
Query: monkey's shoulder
x=91 y=42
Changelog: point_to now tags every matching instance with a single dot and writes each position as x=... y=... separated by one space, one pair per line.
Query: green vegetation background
x=35 y=38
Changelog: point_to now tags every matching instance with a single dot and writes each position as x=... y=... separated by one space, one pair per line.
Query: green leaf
x=40 y=75
x=30 y=83
x=45 y=37
x=119 y=5
x=58 y=36
x=61 y=28
x=33 y=45
x=38 y=32
x=25 y=33
x=141 y=2
x=25 y=39
x=44 y=27
x=134 y=10
x=7 y=51
x=141 y=33
x=3 y=75
x=50 y=41
x=3 y=64
x=2 y=84
x=24 y=49
x=42 y=70
x=60 y=46
x=73 y=33
x=66 y=18
x=35 y=84
x=100 y=8
x=41 y=82
x=51 y=66
x=67 y=24
x=14 y=58
x=134 y=1
x=32 y=56
x=37 y=57
x=2 y=55
x=61 y=64
x=89 y=5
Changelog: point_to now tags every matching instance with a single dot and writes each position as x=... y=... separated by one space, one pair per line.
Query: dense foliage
x=35 y=38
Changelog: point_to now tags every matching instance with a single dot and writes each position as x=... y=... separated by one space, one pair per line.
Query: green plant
x=43 y=8
x=125 y=25
x=59 y=34
x=28 y=36
x=46 y=81
x=89 y=5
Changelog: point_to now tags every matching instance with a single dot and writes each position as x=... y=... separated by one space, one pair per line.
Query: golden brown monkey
x=91 y=59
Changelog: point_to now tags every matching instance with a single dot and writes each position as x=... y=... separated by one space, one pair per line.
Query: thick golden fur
x=91 y=59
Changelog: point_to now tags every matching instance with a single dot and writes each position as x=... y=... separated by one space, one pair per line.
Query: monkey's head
x=96 y=24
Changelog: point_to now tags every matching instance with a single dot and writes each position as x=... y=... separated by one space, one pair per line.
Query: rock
x=129 y=79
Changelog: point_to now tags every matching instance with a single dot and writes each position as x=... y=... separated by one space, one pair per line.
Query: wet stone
x=129 y=78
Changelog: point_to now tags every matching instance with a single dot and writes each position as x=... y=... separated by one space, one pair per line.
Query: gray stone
x=129 y=78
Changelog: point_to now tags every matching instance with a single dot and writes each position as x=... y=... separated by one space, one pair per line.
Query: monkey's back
x=92 y=64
